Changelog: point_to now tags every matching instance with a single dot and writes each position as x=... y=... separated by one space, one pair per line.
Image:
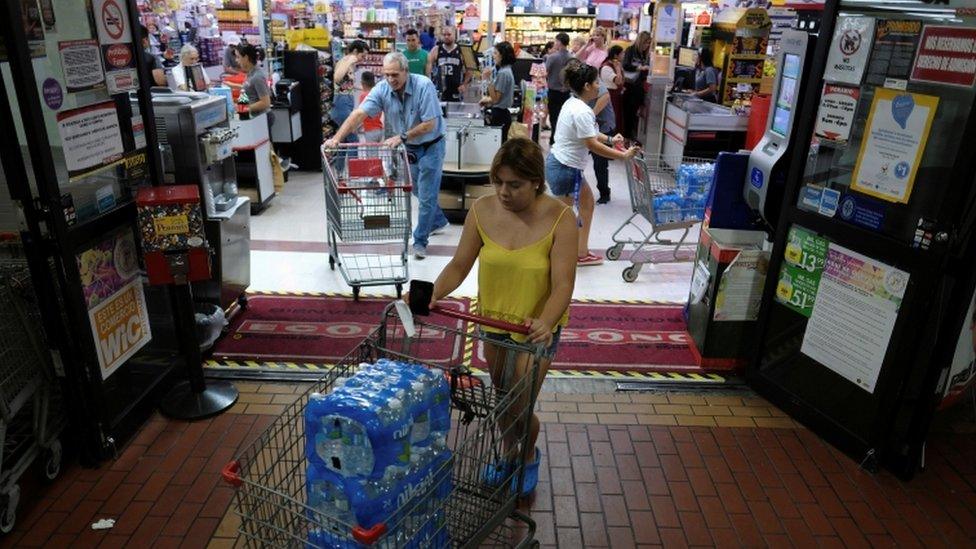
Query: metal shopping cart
x=30 y=417
x=270 y=475
x=656 y=197
x=367 y=204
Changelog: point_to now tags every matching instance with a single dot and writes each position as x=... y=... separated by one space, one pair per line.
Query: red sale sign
x=946 y=55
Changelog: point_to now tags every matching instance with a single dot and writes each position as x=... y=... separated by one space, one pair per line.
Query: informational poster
x=946 y=55
x=115 y=38
x=81 y=63
x=895 y=43
x=962 y=370
x=116 y=302
x=854 y=315
x=740 y=290
x=838 y=104
x=799 y=277
x=666 y=21
x=894 y=139
x=33 y=27
x=91 y=137
x=849 y=50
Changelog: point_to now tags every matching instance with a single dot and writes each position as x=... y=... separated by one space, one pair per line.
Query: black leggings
x=633 y=101
x=501 y=118
x=601 y=167
x=556 y=100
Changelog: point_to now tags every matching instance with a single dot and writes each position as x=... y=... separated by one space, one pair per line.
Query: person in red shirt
x=372 y=129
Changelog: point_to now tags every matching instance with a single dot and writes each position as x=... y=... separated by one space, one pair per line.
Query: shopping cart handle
x=482 y=320
x=231 y=473
x=368 y=536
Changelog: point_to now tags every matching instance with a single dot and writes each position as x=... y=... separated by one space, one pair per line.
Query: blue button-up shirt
x=419 y=104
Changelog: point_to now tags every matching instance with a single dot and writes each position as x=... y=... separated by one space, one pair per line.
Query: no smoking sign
x=112 y=22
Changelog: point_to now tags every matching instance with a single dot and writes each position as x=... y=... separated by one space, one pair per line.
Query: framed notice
x=116 y=302
x=838 y=104
x=115 y=39
x=91 y=137
x=894 y=139
x=849 y=50
x=81 y=62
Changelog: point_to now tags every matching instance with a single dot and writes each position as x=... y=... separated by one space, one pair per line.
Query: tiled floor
x=619 y=470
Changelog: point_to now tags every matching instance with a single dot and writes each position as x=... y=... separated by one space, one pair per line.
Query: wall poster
x=849 y=50
x=894 y=139
x=91 y=137
x=854 y=315
x=799 y=277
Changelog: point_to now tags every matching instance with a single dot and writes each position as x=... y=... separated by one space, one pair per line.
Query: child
x=372 y=130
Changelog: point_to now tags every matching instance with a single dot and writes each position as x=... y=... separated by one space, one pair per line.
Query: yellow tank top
x=514 y=284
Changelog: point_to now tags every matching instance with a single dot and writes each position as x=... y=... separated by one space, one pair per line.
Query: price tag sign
x=799 y=277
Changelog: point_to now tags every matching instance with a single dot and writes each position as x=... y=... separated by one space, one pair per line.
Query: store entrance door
x=76 y=141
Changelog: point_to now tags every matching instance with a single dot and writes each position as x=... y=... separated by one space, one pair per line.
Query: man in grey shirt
x=558 y=93
x=501 y=89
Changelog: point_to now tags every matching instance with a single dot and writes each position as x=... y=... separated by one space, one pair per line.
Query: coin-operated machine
x=766 y=173
x=176 y=253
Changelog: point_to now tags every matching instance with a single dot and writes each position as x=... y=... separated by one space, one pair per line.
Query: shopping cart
x=269 y=475
x=367 y=204
x=656 y=197
x=30 y=417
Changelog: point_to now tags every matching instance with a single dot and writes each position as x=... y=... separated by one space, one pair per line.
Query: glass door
x=79 y=143
x=876 y=201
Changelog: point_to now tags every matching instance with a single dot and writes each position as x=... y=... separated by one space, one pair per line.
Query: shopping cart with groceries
x=669 y=193
x=452 y=482
x=367 y=203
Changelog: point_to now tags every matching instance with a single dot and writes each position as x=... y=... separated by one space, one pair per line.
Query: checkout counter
x=697 y=128
x=252 y=147
x=196 y=142
x=470 y=148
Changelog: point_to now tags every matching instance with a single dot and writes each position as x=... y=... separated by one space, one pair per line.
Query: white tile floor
x=298 y=215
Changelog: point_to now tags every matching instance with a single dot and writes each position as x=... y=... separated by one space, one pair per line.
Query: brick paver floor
x=619 y=470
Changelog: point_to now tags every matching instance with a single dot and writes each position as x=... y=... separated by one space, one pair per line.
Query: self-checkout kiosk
x=766 y=171
x=741 y=213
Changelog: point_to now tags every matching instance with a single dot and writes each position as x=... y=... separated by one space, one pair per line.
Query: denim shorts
x=505 y=337
x=560 y=177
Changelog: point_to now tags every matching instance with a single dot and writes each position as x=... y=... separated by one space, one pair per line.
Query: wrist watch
x=403 y=137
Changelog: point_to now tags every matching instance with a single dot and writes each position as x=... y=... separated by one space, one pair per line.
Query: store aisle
x=289 y=250
x=618 y=470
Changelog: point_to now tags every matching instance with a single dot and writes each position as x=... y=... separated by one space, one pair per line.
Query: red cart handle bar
x=482 y=320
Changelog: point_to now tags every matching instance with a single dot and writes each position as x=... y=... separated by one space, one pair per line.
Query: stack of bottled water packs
x=687 y=202
x=373 y=445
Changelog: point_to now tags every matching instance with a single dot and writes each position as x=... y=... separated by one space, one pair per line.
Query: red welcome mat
x=622 y=336
x=321 y=329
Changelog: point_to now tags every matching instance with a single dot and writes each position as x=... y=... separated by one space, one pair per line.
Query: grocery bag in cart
x=390 y=451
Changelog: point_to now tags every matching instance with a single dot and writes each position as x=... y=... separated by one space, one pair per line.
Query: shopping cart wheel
x=399 y=288
x=242 y=301
x=8 y=508
x=355 y=293
x=331 y=263
x=613 y=252
x=52 y=461
x=630 y=274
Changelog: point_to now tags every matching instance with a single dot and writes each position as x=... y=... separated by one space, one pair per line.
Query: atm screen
x=786 y=98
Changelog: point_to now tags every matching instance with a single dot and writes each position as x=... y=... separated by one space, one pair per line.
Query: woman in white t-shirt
x=189 y=56
x=576 y=134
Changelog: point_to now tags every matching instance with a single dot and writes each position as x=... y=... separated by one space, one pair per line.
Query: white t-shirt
x=607 y=74
x=179 y=77
x=576 y=124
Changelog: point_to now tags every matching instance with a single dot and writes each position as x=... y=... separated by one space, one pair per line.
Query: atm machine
x=766 y=171
x=196 y=147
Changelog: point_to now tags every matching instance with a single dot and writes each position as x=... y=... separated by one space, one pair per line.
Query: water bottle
x=421 y=404
x=357 y=450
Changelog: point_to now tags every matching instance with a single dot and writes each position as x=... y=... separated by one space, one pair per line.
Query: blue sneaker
x=531 y=476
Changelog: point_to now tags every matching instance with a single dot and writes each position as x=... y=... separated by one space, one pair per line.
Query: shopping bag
x=277 y=173
x=518 y=129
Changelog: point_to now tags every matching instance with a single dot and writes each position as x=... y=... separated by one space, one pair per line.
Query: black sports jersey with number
x=450 y=71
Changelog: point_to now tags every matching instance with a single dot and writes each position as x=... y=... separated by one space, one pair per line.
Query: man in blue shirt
x=412 y=115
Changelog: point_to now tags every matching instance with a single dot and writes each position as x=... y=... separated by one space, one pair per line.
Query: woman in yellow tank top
x=525 y=242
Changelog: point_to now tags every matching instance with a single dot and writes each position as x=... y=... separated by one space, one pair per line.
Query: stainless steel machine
x=470 y=148
x=196 y=144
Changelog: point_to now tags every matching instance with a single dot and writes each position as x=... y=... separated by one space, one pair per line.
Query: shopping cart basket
x=269 y=475
x=367 y=204
x=30 y=417
x=656 y=197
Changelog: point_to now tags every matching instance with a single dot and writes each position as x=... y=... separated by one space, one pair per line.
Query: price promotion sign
x=799 y=277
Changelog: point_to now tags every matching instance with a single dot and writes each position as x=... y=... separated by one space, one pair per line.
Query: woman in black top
x=636 y=65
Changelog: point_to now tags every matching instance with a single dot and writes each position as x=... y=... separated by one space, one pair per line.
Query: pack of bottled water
x=374 y=444
x=694 y=178
x=668 y=208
